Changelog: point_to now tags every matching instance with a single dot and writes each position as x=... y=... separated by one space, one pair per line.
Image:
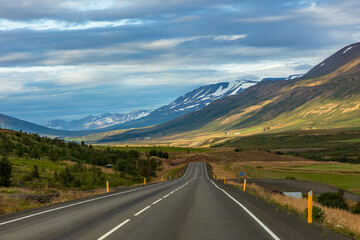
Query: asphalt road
x=193 y=207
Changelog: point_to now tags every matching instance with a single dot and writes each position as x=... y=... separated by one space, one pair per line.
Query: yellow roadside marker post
x=217 y=178
x=162 y=179
x=169 y=177
x=224 y=180
x=310 y=206
x=107 y=186
x=244 y=185
x=144 y=181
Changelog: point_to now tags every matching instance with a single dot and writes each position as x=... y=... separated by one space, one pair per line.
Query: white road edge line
x=139 y=212
x=90 y=200
x=206 y=171
x=166 y=196
x=113 y=230
x=157 y=201
x=250 y=213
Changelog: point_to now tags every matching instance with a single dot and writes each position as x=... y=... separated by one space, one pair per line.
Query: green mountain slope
x=321 y=99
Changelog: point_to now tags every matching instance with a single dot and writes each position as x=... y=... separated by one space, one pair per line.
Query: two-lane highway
x=193 y=207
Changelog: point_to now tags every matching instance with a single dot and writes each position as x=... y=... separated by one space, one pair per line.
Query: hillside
x=319 y=99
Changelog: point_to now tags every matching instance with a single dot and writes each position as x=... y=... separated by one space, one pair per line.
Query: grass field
x=343 y=168
x=158 y=148
x=346 y=181
x=323 y=145
x=342 y=175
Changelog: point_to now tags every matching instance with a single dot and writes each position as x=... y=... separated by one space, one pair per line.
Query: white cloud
x=229 y=37
x=344 y=13
x=49 y=24
x=165 y=43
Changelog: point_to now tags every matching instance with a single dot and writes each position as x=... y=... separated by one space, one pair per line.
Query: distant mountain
x=7 y=122
x=191 y=101
x=185 y=104
x=320 y=99
x=95 y=122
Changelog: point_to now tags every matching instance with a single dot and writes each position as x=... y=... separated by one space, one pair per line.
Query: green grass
x=23 y=163
x=173 y=171
x=11 y=191
x=356 y=140
x=323 y=145
x=330 y=167
x=164 y=149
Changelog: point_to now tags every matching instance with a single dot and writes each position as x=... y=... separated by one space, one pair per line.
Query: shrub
x=333 y=200
x=318 y=213
x=35 y=172
x=5 y=171
x=356 y=209
x=290 y=178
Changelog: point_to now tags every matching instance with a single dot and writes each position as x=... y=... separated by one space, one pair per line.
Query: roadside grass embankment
x=28 y=192
x=337 y=219
x=340 y=220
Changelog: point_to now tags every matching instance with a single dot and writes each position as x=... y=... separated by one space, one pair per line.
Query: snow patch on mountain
x=96 y=122
x=294 y=76
x=347 y=49
x=203 y=96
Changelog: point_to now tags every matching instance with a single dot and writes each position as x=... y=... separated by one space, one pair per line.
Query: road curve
x=193 y=207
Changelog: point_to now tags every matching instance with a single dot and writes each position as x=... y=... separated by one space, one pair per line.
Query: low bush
x=356 y=209
x=318 y=213
x=333 y=200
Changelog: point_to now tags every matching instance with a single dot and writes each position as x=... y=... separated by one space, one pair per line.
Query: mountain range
x=96 y=122
x=328 y=96
x=187 y=103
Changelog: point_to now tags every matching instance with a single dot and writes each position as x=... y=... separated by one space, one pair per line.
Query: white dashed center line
x=157 y=201
x=138 y=213
x=114 y=229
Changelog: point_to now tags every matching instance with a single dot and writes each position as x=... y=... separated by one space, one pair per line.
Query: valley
x=180 y=120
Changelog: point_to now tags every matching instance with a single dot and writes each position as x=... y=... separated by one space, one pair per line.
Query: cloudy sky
x=70 y=58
